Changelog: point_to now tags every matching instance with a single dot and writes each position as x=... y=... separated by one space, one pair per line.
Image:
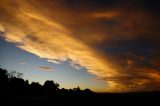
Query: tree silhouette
x=3 y=78
x=19 y=75
x=35 y=85
x=13 y=82
x=12 y=74
x=16 y=83
x=50 y=87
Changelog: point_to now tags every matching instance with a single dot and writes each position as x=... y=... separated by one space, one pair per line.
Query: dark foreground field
x=130 y=99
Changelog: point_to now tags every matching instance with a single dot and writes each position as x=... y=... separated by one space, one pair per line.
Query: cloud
x=106 y=15
x=23 y=63
x=44 y=68
x=107 y=38
x=54 y=61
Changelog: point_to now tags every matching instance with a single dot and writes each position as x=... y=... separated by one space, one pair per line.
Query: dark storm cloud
x=116 y=40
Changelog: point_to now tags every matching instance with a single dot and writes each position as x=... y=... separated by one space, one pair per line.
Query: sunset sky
x=103 y=45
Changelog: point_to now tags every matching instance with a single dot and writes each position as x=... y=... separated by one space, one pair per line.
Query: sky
x=103 y=45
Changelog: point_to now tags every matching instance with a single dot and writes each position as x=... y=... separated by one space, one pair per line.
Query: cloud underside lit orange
x=41 y=32
x=44 y=68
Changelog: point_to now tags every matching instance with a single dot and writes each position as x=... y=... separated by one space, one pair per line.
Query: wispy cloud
x=44 y=68
x=23 y=63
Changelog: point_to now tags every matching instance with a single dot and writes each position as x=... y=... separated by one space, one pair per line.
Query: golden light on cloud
x=48 y=39
x=44 y=68
x=107 y=15
x=41 y=34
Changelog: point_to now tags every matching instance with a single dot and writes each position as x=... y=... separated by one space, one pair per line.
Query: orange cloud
x=48 y=39
x=107 y=15
x=59 y=35
x=44 y=68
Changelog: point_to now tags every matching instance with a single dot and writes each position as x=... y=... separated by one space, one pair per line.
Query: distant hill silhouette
x=15 y=91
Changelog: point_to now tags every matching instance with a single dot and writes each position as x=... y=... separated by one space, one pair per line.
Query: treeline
x=13 y=83
x=15 y=91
